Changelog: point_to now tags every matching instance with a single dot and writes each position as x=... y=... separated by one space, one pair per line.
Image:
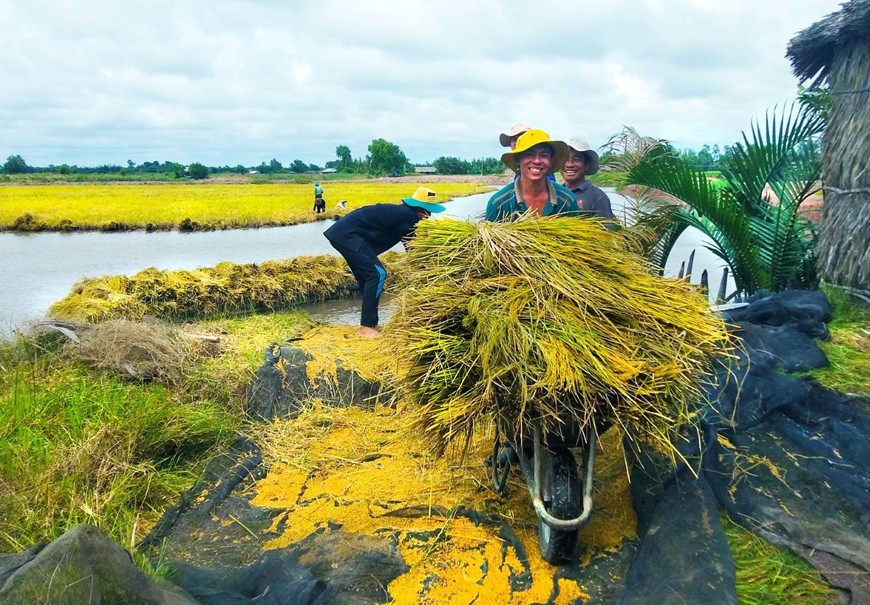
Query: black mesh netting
x=782 y=455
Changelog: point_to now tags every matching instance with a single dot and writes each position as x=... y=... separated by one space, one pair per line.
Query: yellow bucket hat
x=529 y=139
x=426 y=199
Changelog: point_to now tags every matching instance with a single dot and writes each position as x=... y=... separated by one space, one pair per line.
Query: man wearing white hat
x=583 y=161
x=509 y=138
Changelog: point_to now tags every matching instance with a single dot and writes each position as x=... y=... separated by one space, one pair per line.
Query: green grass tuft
x=767 y=575
x=848 y=350
x=80 y=444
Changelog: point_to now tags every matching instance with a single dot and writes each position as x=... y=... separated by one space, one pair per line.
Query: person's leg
x=370 y=275
x=374 y=275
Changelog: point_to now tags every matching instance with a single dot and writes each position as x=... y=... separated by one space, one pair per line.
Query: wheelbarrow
x=562 y=501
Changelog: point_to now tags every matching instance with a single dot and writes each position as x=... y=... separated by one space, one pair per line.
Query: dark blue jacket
x=381 y=226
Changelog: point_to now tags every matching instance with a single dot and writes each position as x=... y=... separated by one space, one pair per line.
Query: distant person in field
x=361 y=235
x=534 y=158
x=318 y=190
x=319 y=205
x=583 y=161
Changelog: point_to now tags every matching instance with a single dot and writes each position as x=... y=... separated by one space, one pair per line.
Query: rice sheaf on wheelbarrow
x=548 y=321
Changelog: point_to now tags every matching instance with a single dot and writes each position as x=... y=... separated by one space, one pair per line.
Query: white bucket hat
x=515 y=131
x=581 y=146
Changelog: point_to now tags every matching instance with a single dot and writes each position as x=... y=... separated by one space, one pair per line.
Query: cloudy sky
x=92 y=82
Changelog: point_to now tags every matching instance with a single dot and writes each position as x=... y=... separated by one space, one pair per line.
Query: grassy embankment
x=193 y=206
x=80 y=443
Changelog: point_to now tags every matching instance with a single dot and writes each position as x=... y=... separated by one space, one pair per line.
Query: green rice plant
x=547 y=320
x=767 y=575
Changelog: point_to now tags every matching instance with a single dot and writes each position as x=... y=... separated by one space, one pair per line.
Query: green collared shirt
x=507 y=202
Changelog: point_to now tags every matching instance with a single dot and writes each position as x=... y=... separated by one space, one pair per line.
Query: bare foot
x=366 y=332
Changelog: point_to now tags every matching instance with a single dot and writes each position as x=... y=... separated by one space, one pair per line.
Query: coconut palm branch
x=753 y=220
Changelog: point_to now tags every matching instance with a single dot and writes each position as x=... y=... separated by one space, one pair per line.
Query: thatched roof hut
x=836 y=50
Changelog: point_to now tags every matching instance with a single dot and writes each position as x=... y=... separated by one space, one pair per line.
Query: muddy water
x=38 y=269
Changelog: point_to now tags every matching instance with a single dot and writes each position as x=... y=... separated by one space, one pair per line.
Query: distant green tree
x=314 y=168
x=704 y=159
x=197 y=171
x=485 y=166
x=451 y=165
x=275 y=166
x=298 y=166
x=345 y=162
x=386 y=158
x=690 y=156
x=176 y=170
x=15 y=164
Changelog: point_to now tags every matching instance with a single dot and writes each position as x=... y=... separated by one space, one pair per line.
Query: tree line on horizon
x=384 y=158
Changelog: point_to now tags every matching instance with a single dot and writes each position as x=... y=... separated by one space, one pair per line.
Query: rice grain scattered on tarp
x=550 y=320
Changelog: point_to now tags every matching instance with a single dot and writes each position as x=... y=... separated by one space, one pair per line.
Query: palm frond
x=754 y=220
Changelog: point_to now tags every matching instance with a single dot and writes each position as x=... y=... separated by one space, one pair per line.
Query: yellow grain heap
x=547 y=319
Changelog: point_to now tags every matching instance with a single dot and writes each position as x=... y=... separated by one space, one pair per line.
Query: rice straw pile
x=546 y=319
x=222 y=290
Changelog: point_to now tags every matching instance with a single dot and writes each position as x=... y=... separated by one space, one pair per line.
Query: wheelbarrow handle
x=532 y=476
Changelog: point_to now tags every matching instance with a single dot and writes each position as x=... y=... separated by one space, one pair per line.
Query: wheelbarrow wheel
x=562 y=495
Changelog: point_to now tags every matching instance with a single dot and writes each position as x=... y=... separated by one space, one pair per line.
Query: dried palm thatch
x=546 y=320
x=836 y=50
x=844 y=238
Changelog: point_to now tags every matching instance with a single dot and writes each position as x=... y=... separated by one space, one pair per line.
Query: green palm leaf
x=754 y=220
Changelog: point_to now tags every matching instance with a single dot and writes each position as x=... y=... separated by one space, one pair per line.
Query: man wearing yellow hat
x=534 y=158
x=363 y=234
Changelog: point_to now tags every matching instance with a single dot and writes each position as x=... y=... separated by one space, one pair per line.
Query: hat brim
x=593 y=162
x=560 y=156
x=505 y=139
x=428 y=206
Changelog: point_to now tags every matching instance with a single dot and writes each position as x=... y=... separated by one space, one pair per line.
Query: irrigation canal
x=38 y=269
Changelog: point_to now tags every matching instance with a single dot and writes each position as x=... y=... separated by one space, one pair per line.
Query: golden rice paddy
x=217 y=206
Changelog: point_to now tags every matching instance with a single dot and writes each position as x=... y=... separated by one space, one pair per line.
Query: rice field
x=114 y=207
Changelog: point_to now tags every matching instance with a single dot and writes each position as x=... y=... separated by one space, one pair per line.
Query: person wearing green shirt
x=534 y=158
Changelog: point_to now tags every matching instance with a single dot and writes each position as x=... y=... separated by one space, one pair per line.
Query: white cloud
x=229 y=82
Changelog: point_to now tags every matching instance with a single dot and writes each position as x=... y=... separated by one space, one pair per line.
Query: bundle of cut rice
x=547 y=320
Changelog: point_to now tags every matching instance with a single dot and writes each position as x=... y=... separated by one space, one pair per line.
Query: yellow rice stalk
x=552 y=320
x=225 y=289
